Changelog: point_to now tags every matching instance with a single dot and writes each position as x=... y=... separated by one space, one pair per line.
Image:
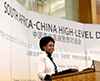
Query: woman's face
x=49 y=47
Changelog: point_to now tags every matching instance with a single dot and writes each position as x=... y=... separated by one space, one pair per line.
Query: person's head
x=47 y=44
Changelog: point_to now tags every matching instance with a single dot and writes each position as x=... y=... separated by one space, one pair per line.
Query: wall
x=71 y=10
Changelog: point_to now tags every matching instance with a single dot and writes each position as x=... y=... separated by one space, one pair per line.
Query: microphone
x=91 y=65
x=88 y=68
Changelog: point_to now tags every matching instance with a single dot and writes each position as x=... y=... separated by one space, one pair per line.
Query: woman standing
x=44 y=64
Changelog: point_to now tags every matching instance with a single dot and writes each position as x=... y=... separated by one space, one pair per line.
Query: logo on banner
x=40 y=6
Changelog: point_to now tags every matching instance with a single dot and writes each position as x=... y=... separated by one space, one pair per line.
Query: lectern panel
x=93 y=76
x=79 y=78
x=86 y=75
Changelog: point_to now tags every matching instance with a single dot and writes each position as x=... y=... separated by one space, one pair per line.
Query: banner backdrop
x=20 y=61
x=76 y=44
x=14 y=43
x=92 y=43
x=5 y=44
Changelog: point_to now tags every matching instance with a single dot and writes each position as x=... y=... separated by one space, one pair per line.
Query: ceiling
x=57 y=7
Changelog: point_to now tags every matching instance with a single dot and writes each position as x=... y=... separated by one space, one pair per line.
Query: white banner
x=5 y=43
x=20 y=61
x=92 y=43
x=76 y=44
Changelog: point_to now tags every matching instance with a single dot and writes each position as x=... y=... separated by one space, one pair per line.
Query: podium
x=85 y=75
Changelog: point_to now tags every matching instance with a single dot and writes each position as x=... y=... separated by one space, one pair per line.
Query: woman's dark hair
x=44 y=41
